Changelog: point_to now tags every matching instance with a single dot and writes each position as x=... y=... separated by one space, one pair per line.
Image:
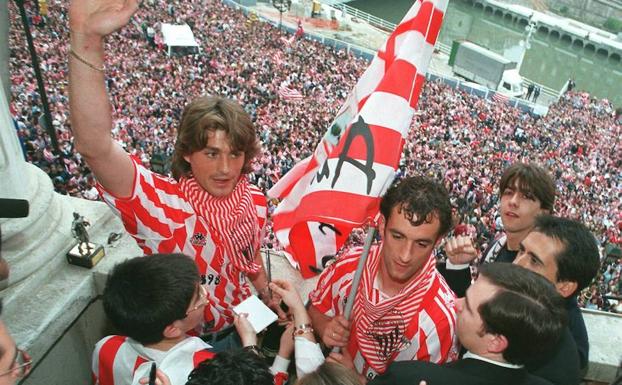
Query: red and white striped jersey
x=119 y=360
x=162 y=220
x=428 y=336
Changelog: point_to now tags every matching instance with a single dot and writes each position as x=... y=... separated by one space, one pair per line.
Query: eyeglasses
x=21 y=364
x=202 y=300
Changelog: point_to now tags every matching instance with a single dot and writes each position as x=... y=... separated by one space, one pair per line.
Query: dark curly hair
x=419 y=198
x=236 y=367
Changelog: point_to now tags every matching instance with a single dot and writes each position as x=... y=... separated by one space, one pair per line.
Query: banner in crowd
x=289 y=93
x=340 y=185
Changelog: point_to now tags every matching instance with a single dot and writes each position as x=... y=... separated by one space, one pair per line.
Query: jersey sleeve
x=334 y=284
x=153 y=211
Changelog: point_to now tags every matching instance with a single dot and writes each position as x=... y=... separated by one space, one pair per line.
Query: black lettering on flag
x=323 y=173
x=360 y=128
x=322 y=225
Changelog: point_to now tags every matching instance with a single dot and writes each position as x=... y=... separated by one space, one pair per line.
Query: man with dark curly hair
x=404 y=310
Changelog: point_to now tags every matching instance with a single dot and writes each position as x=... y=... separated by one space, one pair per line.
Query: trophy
x=84 y=253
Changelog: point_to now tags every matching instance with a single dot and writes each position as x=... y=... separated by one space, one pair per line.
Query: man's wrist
x=86 y=43
x=263 y=293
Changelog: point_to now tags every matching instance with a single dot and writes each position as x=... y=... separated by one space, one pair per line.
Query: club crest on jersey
x=198 y=239
x=388 y=335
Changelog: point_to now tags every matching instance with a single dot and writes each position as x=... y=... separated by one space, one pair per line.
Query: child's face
x=194 y=314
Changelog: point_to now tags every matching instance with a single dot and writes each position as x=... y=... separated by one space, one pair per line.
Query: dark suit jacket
x=467 y=371
x=561 y=365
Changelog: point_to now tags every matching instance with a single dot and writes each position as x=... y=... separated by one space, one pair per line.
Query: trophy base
x=85 y=258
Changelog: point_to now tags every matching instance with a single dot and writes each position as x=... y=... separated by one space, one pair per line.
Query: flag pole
x=371 y=233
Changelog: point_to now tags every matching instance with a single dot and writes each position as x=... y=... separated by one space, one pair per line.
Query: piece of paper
x=259 y=315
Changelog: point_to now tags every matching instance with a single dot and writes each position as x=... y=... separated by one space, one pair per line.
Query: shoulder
x=110 y=341
x=441 y=301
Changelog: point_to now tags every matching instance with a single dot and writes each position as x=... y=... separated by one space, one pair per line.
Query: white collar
x=498 y=363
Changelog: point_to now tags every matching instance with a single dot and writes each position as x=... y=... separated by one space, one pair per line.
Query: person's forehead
x=428 y=228
x=218 y=139
x=480 y=291
x=544 y=246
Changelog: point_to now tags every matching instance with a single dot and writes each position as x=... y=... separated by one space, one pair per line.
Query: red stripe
x=107 y=354
x=304 y=249
x=398 y=79
x=139 y=361
x=422 y=353
x=201 y=356
x=364 y=204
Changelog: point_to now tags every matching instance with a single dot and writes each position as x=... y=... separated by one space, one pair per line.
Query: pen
x=152 y=374
x=269 y=272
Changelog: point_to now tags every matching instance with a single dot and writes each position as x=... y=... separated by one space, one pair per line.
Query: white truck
x=482 y=66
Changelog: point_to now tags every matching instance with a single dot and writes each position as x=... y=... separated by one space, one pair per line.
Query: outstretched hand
x=100 y=17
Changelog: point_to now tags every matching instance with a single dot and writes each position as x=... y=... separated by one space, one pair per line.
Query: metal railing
x=360 y=15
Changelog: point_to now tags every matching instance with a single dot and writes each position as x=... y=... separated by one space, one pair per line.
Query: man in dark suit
x=565 y=252
x=509 y=315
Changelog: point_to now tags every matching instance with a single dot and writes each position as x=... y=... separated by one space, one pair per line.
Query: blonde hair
x=330 y=374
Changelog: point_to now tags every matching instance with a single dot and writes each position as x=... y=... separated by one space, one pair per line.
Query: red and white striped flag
x=289 y=93
x=500 y=98
x=340 y=186
x=286 y=41
x=278 y=57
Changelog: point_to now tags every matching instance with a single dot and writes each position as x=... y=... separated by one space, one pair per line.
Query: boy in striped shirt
x=153 y=302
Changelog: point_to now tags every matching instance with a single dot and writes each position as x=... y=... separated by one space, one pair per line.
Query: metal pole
x=40 y=85
x=357 y=277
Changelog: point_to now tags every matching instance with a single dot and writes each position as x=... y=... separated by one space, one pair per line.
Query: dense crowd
x=461 y=139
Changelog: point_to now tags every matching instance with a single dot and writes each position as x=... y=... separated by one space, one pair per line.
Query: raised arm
x=91 y=116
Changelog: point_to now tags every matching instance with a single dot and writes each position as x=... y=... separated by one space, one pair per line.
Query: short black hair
x=234 y=367
x=419 y=198
x=532 y=180
x=143 y=295
x=579 y=261
x=527 y=310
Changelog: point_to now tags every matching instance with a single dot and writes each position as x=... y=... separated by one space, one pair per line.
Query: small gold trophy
x=84 y=253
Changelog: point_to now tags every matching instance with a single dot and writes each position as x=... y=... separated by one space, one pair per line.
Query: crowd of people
x=458 y=138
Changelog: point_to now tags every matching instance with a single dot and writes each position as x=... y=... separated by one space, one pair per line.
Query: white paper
x=259 y=315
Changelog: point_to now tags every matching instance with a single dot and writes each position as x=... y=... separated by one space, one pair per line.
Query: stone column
x=28 y=244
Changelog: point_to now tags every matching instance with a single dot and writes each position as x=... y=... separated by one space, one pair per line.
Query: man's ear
x=497 y=343
x=187 y=158
x=566 y=288
x=382 y=222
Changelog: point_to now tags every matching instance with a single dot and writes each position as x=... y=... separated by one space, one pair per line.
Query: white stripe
x=123 y=364
x=323 y=243
x=417 y=50
x=388 y=110
x=432 y=340
x=359 y=362
x=370 y=79
x=352 y=180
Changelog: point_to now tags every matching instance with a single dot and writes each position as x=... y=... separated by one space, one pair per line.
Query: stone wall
x=4 y=48
x=594 y=12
